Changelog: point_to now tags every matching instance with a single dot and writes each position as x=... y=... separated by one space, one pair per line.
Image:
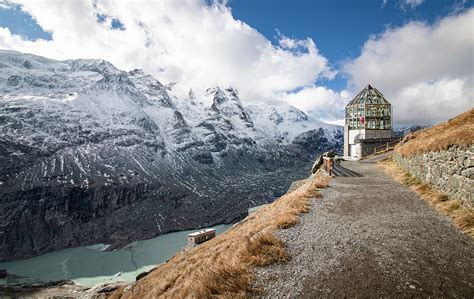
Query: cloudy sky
x=315 y=55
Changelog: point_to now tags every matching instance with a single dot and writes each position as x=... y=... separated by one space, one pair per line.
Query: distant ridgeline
x=443 y=156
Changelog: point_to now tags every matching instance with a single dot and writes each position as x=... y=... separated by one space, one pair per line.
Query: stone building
x=368 y=124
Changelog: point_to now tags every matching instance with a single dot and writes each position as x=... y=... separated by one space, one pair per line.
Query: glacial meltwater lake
x=90 y=265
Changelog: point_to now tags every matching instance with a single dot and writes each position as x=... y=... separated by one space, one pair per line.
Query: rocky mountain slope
x=90 y=153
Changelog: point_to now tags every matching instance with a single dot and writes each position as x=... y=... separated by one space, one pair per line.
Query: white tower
x=368 y=123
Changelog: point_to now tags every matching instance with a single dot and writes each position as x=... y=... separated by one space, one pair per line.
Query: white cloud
x=426 y=71
x=433 y=102
x=187 y=41
x=411 y=3
x=5 y=6
x=321 y=102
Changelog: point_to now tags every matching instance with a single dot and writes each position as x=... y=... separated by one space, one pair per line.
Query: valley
x=92 y=154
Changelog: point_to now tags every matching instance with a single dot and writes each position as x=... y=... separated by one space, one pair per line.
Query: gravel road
x=369 y=236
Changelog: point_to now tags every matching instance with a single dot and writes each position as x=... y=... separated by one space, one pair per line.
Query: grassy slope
x=456 y=131
x=223 y=266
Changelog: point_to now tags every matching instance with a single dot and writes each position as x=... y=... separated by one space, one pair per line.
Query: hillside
x=224 y=266
x=456 y=131
x=364 y=235
x=93 y=154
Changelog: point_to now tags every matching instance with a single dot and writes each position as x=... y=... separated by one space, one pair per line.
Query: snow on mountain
x=90 y=153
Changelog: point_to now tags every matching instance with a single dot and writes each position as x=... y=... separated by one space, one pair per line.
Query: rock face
x=450 y=171
x=90 y=153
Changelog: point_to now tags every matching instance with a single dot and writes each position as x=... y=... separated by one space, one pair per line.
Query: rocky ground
x=369 y=236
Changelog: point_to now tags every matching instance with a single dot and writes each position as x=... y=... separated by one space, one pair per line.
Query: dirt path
x=369 y=237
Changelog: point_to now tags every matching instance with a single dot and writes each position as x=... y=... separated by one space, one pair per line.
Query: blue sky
x=418 y=53
x=22 y=24
x=340 y=27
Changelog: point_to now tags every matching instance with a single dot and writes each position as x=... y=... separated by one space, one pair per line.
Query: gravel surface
x=369 y=236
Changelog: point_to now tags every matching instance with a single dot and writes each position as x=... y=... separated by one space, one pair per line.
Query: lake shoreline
x=120 y=245
x=89 y=266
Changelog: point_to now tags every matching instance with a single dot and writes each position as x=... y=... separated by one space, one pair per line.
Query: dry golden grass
x=226 y=282
x=456 y=131
x=287 y=220
x=264 y=250
x=222 y=267
x=462 y=215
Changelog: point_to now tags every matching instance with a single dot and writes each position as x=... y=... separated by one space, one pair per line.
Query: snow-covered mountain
x=90 y=153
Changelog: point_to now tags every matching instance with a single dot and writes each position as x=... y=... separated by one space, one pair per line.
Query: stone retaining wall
x=450 y=171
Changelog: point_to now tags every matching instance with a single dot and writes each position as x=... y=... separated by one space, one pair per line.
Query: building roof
x=369 y=95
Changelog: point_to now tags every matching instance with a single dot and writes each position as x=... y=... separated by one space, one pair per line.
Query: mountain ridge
x=92 y=154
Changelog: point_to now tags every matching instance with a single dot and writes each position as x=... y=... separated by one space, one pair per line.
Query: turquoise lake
x=90 y=265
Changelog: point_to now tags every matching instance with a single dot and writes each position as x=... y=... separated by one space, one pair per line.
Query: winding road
x=369 y=236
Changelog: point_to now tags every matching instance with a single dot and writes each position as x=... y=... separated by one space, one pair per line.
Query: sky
x=315 y=55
